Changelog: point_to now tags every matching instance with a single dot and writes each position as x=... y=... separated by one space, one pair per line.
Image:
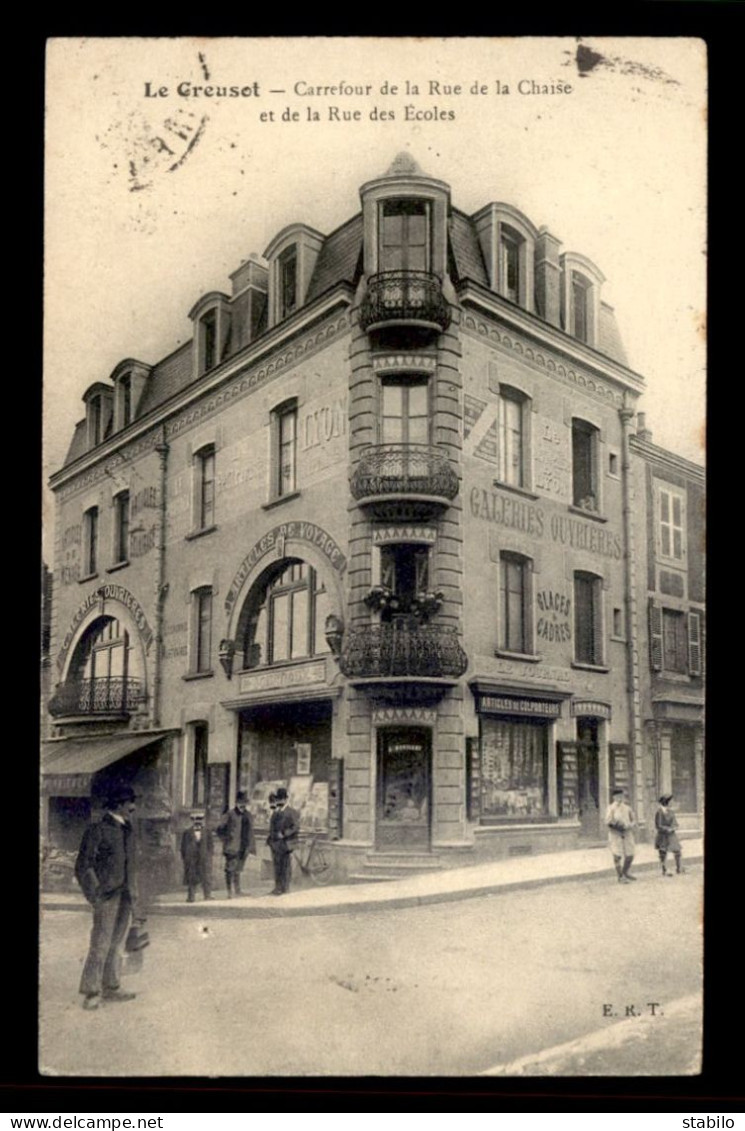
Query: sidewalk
x=624 y=1048
x=439 y=887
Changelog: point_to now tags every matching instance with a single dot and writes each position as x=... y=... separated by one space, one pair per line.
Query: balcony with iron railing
x=96 y=697
x=391 y=475
x=401 y=651
x=405 y=298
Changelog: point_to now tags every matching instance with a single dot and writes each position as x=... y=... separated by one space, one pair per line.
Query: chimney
x=250 y=284
x=642 y=431
x=547 y=277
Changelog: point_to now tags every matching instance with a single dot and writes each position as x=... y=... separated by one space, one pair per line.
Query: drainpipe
x=161 y=584
x=632 y=647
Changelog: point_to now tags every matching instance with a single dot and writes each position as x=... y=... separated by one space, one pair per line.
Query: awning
x=88 y=755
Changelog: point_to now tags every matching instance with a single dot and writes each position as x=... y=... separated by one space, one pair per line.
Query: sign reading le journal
x=275 y=540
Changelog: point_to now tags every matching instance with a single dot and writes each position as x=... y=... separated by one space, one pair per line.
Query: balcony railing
x=400 y=649
x=404 y=469
x=405 y=297
x=97 y=697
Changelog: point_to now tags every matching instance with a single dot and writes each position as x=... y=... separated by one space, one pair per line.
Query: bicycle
x=312 y=858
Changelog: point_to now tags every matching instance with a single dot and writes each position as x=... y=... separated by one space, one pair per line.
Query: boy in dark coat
x=666 y=838
x=196 y=853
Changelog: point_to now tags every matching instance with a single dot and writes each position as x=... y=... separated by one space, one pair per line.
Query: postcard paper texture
x=373 y=540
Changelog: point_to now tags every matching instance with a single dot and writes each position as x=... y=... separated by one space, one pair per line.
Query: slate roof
x=340 y=261
x=339 y=258
x=168 y=377
x=609 y=338
x=78 y=444
x=464 y=242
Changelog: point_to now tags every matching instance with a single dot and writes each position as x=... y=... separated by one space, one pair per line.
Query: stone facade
x=371 y=535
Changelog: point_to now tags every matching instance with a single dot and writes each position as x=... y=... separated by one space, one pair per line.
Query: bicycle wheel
x=318 y=864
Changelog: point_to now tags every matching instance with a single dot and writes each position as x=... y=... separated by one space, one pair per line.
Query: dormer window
x=508 y=243
x=129 y=379
x=509 y=264
x=287 y=281
x=125 y=393
x=580 y=297
x=96 y=421
x=211 y=318
x=292 y=256
x=580 y=320
x=208 y=340
x=98 y=413
x=404 y=236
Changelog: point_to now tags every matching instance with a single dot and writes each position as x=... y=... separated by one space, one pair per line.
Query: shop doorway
x=683 y=769
x=404 y=789
x=588 y=795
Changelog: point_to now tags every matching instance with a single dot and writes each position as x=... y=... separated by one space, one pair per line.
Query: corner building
x=368 y=535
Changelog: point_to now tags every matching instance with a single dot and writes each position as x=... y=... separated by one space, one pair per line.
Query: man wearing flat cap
x=196 y=853
x=284 y=829
x=106 y=871
x=236 y=833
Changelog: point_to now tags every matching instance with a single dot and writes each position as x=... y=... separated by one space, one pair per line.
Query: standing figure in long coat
x=106 y=871
x=236 y=832
x=284 y=829
x=196 y=853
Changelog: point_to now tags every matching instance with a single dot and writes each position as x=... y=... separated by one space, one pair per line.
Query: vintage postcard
x=373 y=583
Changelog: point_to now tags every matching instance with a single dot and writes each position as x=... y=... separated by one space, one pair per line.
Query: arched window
x=105 y=673
x=284 y=616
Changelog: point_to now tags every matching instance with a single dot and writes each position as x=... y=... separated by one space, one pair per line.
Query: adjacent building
x=671 y=586
x=370 y=534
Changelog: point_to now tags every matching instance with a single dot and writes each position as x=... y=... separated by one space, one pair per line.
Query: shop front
x=512 y=767
x=78 y=775
x=289 y=745
x=678 y=740
x=404 y=789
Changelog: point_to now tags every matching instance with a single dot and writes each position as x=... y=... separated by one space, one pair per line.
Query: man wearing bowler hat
x=284 y=829
x=105 y=869
x=196 y=853
x=236 y=832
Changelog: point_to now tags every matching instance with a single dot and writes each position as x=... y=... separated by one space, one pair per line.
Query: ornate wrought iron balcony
x=405 y=297
x=402 y=649
x=115 y=696
x=420 y=473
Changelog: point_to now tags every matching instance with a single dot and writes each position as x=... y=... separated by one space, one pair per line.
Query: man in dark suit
x=196 y=853
x=284 y=829
x=236 y=833
x=105 y=869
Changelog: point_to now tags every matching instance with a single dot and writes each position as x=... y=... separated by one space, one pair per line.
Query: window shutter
x=655 y=636
x=694 y=643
